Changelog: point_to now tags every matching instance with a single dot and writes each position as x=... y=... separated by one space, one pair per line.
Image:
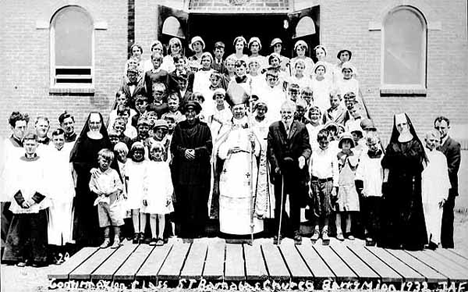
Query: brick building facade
x=28 y=26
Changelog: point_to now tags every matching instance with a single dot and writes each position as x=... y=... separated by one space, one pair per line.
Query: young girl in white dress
x=135 y=169
x=158 y=190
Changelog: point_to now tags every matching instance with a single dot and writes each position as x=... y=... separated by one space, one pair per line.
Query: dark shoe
x=141 y=238
x=315 y=236
x=136 y=238
x=39 y=265
x=325 y=237
x=297 y=238
x=153 y=242
x=160 y=242
x=105 y=244
x=370 y=241
x=432 y=246
x=277 y=240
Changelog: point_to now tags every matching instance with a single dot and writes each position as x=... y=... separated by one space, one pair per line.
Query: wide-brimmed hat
x=276 y=41
x=342 y=51
x=192 y=104
x=196 y=39
x=344 y=137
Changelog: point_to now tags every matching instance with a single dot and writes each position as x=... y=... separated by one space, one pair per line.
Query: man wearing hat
x=191 y=172
x=239 y=148
x=132 y=85
x=288 y=151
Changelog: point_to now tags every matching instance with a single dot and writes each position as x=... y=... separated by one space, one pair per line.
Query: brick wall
x=25 y=51
x=347 y=26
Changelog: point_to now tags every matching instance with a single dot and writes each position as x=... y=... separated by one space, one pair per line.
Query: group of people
x=256 y=143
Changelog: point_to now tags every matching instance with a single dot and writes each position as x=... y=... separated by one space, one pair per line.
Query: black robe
x=86 y=224
x=403 y=222
x=191 y=179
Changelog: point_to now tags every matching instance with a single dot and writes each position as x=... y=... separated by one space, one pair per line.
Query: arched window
x=304 y=27
x=404 y=49
x=71 y=37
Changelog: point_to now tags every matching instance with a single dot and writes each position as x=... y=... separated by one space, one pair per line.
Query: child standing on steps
x=135 y=169
x=106 y=184
x=348 y=199
x=158 y=189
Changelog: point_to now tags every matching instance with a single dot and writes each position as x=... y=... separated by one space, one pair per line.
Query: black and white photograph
x=234 y=145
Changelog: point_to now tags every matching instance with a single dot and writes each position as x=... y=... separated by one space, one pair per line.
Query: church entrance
x=225 y=27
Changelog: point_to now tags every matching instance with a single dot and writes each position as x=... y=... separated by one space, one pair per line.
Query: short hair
x=136 y=45
x=123 y=109
x=218 y=45
x=432 y=133
x=230 y=59
x=289 y=105
x=30 y=136
x=349 y=95
x=173 y=96
x=106 y=154
x=199 y=96
x=177 y=58
x=372 y=137
x=159 y=85
x=241 y=63
x=17 y=116
x=306 y=89
x=156 y=55
x=323 y=134
x=42 y=118
x=64 y=116
x=141 y=97
x=442 y=118
x=121 y=146
x=58 y=132
x=299 y=61
x=120 y=120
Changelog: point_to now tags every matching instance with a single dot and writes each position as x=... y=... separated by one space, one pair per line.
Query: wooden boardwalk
x=214 y=261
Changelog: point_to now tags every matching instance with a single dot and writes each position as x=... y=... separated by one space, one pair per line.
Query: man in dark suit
x=132 y=85
x=288 y=151
x=451 y=150
x=218 y=61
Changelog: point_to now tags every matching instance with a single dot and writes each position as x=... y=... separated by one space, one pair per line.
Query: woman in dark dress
x=404 y=225
x=191 y=172
x=92 y=138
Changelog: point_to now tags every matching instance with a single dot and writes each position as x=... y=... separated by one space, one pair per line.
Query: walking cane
x=281 y=210
x=252 y=225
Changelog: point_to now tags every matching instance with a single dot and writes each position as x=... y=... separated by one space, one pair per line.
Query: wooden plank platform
x=150 y=268
x=216 y=261
x=234 y=269
x=430 y=275
x=255 y=269
x=62 y=272
x=84 y=271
